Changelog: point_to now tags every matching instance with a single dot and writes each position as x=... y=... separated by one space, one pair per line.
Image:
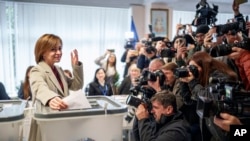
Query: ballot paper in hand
x=77 y=100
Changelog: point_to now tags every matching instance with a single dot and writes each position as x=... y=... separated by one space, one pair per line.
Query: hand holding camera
x=226 y=120
x=181 y=52
x=187 y=74
x=236 y=53
x=142 y=112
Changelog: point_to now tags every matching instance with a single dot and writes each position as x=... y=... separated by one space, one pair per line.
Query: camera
x=168 y=52
x=224 y=96
x=147 y=91
x=184 y=72
x=225 y=49
x=129 y=45
x=133 y=100
x=205 y=14
x=150 y=49
x=147 y=75
x=152 y=76
x=234 y=27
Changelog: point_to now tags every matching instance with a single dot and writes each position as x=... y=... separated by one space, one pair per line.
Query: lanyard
x=103 y=89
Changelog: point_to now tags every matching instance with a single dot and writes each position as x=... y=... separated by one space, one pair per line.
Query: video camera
x=235 y=26
x=205 y=14
x=184 y=72
x=225 y=49
x=224 y=96
x=129 y=45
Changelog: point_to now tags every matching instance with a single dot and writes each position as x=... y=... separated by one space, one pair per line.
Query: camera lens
x=181 y=72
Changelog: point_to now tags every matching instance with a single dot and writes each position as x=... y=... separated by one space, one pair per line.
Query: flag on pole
x=133 y=29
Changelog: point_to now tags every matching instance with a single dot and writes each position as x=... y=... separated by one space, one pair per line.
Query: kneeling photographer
x=168 y=123
x=196 y=81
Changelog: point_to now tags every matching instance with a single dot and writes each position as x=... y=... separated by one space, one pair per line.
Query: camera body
x=168 y=52
x=235 y=27
x=184 y=72
x=147 y=92
x=205 y=14
x=150 y=76
x=224 y=96
x=225 y=49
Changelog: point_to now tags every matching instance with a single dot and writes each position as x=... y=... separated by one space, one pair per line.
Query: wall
x=142 y=18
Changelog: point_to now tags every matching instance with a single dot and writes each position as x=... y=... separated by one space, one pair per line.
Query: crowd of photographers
x=207 y=72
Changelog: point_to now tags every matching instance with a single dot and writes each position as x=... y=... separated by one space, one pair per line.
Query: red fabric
x=58 y=77
x=243 y=64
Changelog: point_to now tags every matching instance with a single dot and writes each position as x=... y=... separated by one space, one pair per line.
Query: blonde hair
x=133 y=66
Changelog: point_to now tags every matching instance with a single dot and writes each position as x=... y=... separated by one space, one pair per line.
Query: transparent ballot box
x=102 y=122
x=11 y=119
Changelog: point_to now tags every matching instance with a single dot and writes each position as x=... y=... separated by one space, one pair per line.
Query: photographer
x=154 y=66
x=177 y=50
x=199 y=38
x=235 y=52
x=197 y=81
x=215 y=41
x=183 y=44
x=172 y=83
x=240 y=56
x=145 y=56
x=129 y=57
x=168 y=122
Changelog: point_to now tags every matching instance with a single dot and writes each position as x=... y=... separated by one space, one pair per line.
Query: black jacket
x=97 y=89
x=125 y=86
x=171 y=128
x=3 y=94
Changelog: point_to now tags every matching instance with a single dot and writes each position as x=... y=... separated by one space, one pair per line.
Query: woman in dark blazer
x=130 y=80
x=99 y=86
x=3 y=93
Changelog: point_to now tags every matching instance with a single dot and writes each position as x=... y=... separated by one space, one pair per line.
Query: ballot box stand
x=102 y=122
x=11 y=119
x=127 y=126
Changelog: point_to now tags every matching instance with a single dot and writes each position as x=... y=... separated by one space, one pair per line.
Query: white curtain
x=91 y=30
x=7 y=75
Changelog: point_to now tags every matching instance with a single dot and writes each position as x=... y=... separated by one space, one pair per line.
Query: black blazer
x=3 y=93
x=94 y=89
x=125 y=86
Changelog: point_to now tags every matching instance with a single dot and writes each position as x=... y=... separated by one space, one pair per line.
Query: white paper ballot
x=77 y=100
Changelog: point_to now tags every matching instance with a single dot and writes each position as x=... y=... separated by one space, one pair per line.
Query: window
x=91 y=30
